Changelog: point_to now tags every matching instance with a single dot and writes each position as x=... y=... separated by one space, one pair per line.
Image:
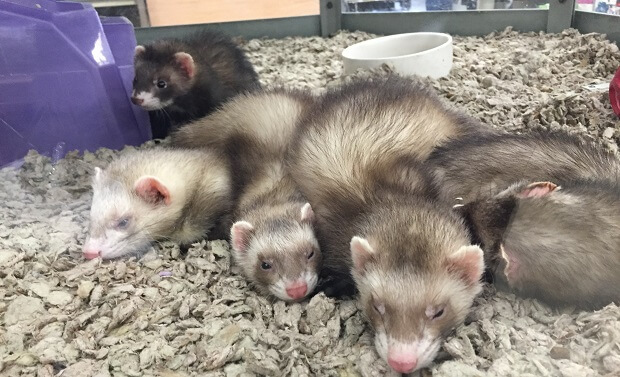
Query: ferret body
x=158 y=194
x=369 y=136
x=273 y=238
x=484 y=165
x=558 y=244
x=190 y=78
x=358 y=160
x=557 y=240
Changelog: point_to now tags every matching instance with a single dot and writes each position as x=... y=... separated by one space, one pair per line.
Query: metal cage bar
x=452 y=22
x=561 y=15
x=590 y=22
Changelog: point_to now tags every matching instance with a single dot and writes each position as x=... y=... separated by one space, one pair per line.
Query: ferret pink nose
x=402 y=364
x=137 y=101
x=297 y=290
x=91 y=254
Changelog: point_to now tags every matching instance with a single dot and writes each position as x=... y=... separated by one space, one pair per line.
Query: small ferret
x=358 y=158
x=188 y=79
x=158 y=194
x=560 y=244
x=273 y=238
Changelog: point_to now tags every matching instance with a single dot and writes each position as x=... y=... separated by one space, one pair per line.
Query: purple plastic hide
x=65 y=78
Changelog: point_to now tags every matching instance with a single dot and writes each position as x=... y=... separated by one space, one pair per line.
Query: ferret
x=559 y=244
x=562 y=241
x=357 y=137
x=188 y=79
x=159 y=194
x=273 y=238
x=358 y=158
x=477 y=167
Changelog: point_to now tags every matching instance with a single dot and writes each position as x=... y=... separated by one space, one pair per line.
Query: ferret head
x=417 y=282
x=162 y=73
x=125 y=219
x=553 y=243
x=490 y=216
x=279 y=253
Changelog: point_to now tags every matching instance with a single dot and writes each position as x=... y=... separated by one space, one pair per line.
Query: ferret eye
x=311 y=254
x=265 y=266
x=438 y=314
x=122 y=223
x=433 y=312
x=161 y=84
x=380 y=308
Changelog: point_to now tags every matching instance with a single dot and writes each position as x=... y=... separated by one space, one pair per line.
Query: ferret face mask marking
x=281 y=256
x=116 y=221
x=160 y=79
x=412 y=312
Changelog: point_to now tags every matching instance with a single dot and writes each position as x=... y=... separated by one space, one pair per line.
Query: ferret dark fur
x=370 y=135
x=358 y=160
x=558 y=244
x=484 y=165
x=188 y=79
x=273 y=237
x=158 y=194
x=558 y=241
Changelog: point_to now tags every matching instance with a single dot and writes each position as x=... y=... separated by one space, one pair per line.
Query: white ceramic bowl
x=423 y=54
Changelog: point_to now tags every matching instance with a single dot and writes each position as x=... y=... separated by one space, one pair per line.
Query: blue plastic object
x=65 y=78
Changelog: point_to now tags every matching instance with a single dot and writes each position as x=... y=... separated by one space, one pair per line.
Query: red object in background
x=614 y=93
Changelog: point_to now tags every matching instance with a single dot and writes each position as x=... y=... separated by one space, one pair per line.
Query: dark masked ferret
x=558 y=244
x=190 y=78
x=482 y=166
x=273 y=237
x=357 y=160
x=157 y=194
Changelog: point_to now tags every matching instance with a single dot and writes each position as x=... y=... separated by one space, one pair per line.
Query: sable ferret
x=558 y=241
x=188 y=79
x=159 y=194
x=273 y=237
x=357 y=159
x=557 y=244
x=473 y=167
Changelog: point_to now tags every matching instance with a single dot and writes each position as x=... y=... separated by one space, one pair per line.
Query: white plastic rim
x=423 y=54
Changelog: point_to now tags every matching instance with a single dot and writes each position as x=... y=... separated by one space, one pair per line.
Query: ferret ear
x=186 y=62
x=307 y=214
x=537 y=190
x=468 y=263
x=152 y=190
x=138 y=51
x=240 y=234
x=361 y=253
